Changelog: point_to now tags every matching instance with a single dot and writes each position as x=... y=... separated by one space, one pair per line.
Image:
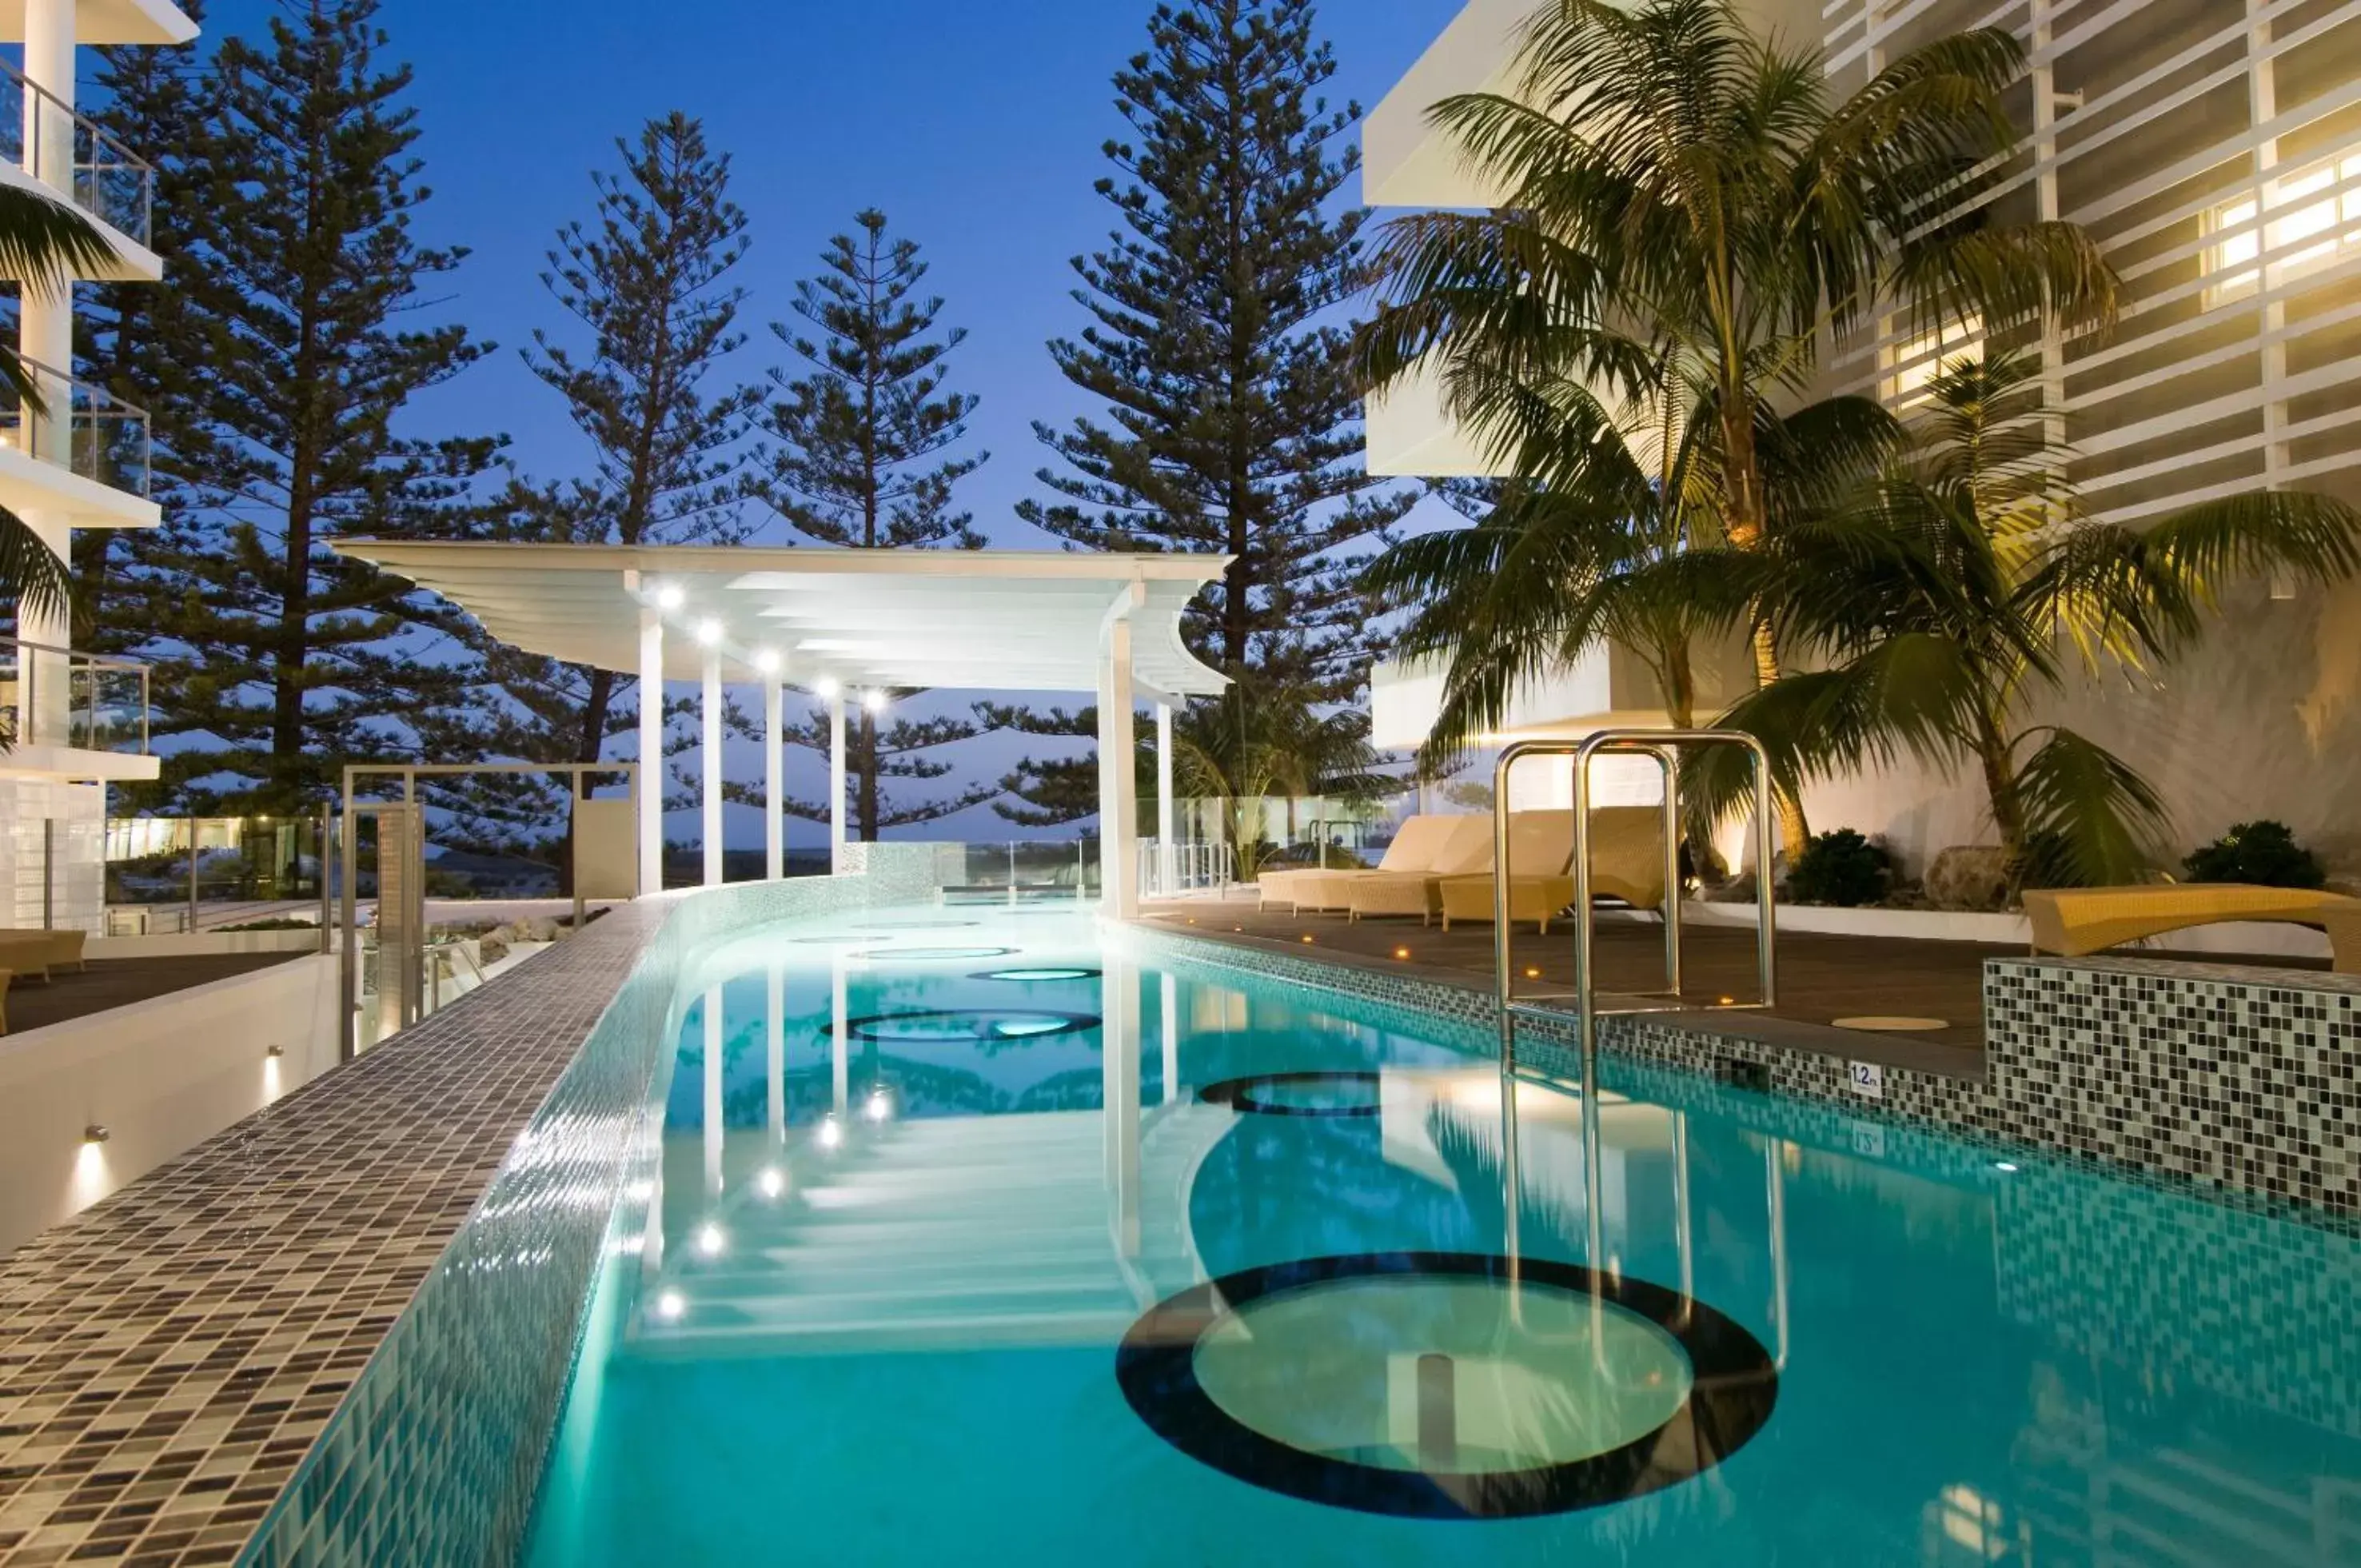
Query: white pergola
x=841 y=624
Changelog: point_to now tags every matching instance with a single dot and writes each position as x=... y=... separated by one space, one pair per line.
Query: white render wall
x=161 y=1076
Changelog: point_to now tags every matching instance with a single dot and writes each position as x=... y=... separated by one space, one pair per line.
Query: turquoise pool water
x=931 y=1191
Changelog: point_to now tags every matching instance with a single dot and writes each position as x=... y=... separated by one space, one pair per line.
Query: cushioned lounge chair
x=41 y=952
x=2072 y=922
x=1418 y=893
x=1414 y=849
x=1627 y=862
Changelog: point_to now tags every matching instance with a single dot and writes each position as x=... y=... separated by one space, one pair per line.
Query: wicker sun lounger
x=2072 y=922
x=1627 y=862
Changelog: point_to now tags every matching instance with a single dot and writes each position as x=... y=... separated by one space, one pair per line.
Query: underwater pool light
x=671 y=1305
x=772 y=1183
x=710 y=1240
x=832 y=1134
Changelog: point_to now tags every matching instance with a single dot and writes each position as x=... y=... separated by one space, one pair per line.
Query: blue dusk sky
x=977 y=129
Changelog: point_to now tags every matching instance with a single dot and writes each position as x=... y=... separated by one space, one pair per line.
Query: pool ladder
x=1665 y=746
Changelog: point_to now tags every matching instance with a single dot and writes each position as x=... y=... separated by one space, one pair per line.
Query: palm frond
x=2102 y=821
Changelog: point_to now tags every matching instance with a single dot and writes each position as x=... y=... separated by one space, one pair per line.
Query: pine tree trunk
x=864 y=756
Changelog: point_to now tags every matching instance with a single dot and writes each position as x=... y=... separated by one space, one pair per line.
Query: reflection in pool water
x=907 y=1348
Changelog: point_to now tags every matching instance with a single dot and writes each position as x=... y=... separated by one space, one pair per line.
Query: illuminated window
x=1912 y=364
x=2319 y=202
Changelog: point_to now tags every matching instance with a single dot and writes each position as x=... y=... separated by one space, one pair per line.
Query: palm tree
x=1968 y=583
x=44 y=245
x=1687 y=219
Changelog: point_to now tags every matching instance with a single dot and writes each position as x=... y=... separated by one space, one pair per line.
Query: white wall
x=2262 y=719
x=77 y=854
x=161 y=1076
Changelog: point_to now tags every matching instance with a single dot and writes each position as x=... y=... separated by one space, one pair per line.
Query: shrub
x=1840 y=868
x=2263 y=853
x=276 y=923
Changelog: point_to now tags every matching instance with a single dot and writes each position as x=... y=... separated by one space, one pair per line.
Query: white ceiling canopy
x=974 y=619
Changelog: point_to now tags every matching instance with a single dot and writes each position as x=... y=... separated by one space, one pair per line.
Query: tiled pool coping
x=214 y=1346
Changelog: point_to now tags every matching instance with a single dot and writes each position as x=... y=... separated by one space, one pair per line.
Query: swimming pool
x=925 y=1279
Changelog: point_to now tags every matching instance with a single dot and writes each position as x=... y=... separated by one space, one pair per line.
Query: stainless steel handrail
x=1665 y=746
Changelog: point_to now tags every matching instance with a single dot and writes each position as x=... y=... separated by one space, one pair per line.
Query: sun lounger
x=1364 y=893
x=1446 y=844
x=1414 y=849
x=41 y=952
x=2072 y=922
x=2344 y=926
x=1627 y=862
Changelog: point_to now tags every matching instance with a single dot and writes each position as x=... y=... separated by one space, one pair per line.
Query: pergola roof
x=981 y=619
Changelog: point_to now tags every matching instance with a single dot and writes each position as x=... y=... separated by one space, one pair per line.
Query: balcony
x=85 y=457
x=73 y=714
x=66 y=154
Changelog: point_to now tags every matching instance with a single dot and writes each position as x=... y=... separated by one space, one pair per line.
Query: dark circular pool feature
x=1037 y=976
x=1447 y=1386
x=932 y=955
x=1297 y=1093
x=976 y=1026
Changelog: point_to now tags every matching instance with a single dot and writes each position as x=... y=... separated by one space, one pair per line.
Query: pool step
x=948 y=1233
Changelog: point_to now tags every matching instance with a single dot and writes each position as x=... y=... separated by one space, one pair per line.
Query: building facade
x=80 y=461
x=2213 y=148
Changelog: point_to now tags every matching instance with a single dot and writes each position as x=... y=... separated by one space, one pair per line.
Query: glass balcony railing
x=49 y=697
x=84 y=428
x=97 y=173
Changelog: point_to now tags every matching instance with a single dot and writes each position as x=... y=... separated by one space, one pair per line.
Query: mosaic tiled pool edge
x=271 y=1346
x=2054 y=1081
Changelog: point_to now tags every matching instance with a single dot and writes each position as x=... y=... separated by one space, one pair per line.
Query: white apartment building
x=78 y=723
x=2214 y=147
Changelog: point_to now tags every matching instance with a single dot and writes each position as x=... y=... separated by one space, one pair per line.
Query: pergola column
x=651 y=756
x=774 y=826
x=1118 y=780
x=1168 y=853
x=836 y=781
x=712 y=790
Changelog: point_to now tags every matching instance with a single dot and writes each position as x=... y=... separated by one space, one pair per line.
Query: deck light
x=708 y=633
x=669 y=596
x=670 y=1305
x=1532 y=974
x=1307 y=938
x=767 y=661
x=1402 y=952
x=826 y=688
